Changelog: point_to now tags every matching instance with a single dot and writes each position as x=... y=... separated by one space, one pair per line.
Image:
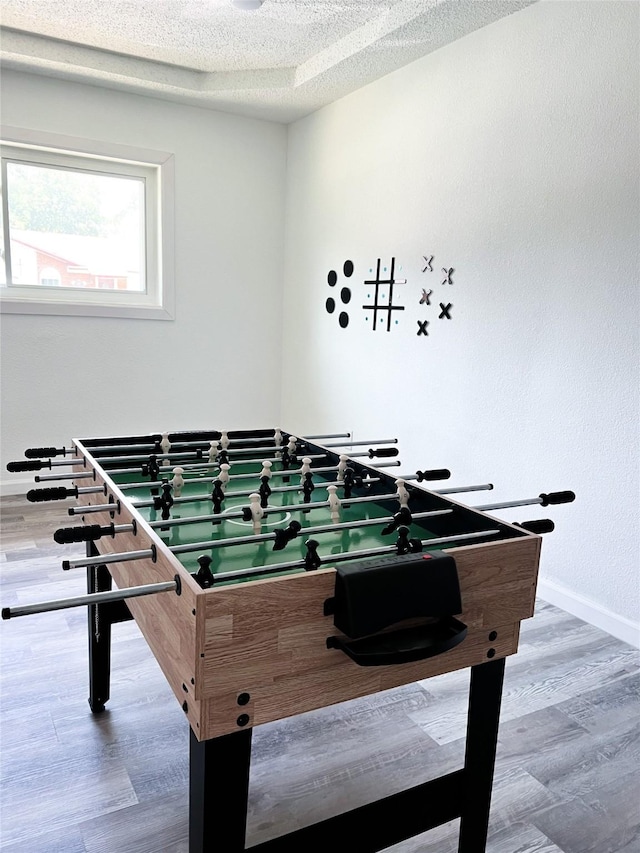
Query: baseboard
x=587 y=610
x=15 y=487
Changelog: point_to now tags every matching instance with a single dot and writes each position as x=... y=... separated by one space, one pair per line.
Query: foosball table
x=272 y=575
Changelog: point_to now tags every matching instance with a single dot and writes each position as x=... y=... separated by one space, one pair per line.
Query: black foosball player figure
x=204 y=575
x=402 y=517
x=151 y=469
x=164 y=502
x=264 y=492
x=307 y=489
x=286 y=462
x=217 y=498
x=284 y=535
x=405 y=545
x=222 y=456
x=349 y=480
x=312 y=559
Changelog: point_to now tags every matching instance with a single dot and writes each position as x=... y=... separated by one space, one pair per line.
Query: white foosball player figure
x=224 y=440
x=223 y=476
x=177 y=481
x=213 y=451
x=402 y=494
x=277 y=438
x=342 y=464
x=306 y=468
x=165 y=446
x=266 y=468
x=257 y=512
x=334 y=503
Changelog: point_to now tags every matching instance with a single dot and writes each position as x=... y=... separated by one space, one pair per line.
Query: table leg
x=485 y=696
x=98 y=580
x=219 y=792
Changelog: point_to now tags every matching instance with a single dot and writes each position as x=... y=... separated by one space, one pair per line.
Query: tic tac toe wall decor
x=384 y=295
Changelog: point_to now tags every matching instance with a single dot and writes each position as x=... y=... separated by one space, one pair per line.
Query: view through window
x=74 y=229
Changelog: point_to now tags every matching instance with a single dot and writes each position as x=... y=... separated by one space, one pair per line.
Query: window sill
x=13 y=305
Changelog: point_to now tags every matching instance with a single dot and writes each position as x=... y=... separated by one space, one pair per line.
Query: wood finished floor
x=567 y=774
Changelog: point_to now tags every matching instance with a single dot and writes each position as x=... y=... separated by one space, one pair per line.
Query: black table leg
x=485 y=696
x=219 y=792
x=98 y=580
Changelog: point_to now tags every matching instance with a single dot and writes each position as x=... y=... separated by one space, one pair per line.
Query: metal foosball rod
x=62 y=493
x=550 y=499
x=349 y=555
x=438 y=474
x=39 y=458
x=403 y=545
x=346 y=444
x=203 y=466
x=130 y=556
x=231 y=455
x=237 y=444
x=326 y=436
x=71 y=475
x=280 y=537
x=333 y=527
x=154 y=446
x=292 y=472
x=175 y=585
x=241 y=513
x=213 y=517
x=457 y=490
x=153 y=443
x=236 y=493
x=287 y=472
x=176 y=457
x=93 y=598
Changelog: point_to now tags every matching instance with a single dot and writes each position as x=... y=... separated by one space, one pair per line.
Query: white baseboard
x=15 y=487
x=587 y=610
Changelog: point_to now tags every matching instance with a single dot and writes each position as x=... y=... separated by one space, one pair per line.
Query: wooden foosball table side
x=265 y=653
x=168 y=621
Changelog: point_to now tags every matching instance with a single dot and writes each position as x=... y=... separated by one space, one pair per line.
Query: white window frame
x=157 y=302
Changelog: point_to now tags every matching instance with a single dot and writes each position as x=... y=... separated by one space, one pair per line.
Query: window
x=49 y=277
x=87 y=228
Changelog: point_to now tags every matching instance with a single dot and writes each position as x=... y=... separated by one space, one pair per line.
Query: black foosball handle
x=538 y=525
x=29 y=465
x=557 y=498
x=406 y=646
x=57 y=493
x=86 y=533
x=379 y=452
x=37 y=452
x=435 y=474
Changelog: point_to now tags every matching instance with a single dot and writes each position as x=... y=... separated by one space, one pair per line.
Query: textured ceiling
x=281 y=62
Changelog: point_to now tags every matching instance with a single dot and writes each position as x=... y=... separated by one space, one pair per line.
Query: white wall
x=65 y=377
x=512 y=156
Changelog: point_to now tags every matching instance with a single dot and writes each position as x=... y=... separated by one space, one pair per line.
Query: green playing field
x=285 y=496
